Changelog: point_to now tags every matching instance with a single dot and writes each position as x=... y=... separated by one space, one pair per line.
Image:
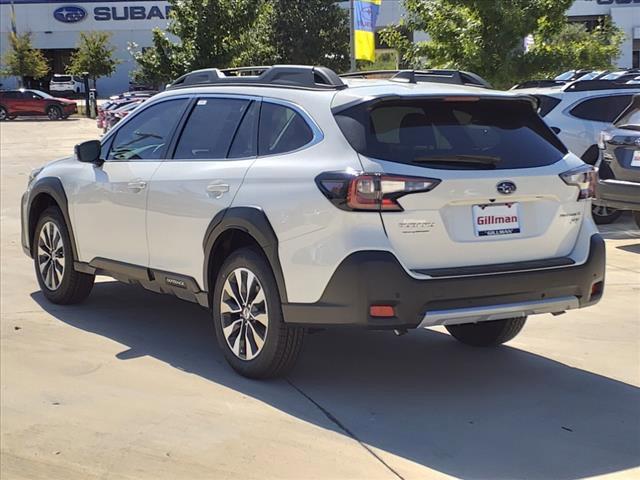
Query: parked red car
x=24 y=102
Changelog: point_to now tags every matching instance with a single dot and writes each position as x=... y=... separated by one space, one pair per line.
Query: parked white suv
x=66 y=84
x=580 y=110
x=292 y=200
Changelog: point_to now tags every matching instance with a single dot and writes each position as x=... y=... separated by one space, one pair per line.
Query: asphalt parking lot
x=130 y=384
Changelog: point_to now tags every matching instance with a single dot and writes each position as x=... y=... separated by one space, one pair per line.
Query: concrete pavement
x=131 y=384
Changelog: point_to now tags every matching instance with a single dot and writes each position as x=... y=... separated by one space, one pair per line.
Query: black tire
x=604 y=215
x=54 y=112
x=487 y=334
x=4 y=115
x=12 y=117
x=282 y=343
x=636 y=218
x=74 y=287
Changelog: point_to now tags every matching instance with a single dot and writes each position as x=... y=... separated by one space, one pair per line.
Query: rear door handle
x=137 y=185
x=217 y=189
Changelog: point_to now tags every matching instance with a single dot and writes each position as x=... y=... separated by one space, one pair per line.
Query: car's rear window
x=452 y=134
x=61 y=78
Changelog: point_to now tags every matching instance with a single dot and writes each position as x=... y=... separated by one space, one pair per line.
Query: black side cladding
x=251 y=220
x=52 y=187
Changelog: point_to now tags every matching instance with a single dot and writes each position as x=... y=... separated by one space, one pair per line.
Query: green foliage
x=94 y=55
x=211 y=33
x=228 y=33
x=22 y=60
x=311 y=32
x=486 y=37
x=385 y=60
x=574 y=47
x=155 y=64
x=256 y=46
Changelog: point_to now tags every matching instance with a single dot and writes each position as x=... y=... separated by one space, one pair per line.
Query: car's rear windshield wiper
x=487 y=160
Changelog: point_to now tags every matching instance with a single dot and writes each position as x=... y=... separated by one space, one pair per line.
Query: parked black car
x=618 y=185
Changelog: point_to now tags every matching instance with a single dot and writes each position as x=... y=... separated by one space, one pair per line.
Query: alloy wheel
x=3 y=114
x=602 y=211
x=54 y=113
x=244 y=314
x=51 y=256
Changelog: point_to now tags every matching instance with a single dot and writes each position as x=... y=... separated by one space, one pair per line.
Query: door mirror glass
x=89 y=151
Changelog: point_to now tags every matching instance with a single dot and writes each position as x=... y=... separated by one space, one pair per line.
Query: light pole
x=352 y=37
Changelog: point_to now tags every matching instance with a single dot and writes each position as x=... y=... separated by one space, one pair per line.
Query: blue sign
x=69 y=14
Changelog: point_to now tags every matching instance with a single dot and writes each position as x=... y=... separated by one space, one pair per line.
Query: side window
x=145 y=135
x=603 y=109
x=245 y=143
x=210 y=128
x=282 y=130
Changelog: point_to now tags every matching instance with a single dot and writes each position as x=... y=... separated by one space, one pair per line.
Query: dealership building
x=55 y=26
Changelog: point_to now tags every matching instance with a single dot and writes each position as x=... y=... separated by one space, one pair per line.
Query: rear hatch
x=62 y=81
x=621 y=156
x=500 y=198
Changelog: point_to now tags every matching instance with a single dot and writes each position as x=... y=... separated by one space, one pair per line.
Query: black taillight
x=370 y=191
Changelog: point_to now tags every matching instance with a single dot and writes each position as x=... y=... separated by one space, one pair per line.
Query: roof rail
x=545 y=83
x=456 y=77
x=587 y=85
x=292 y=76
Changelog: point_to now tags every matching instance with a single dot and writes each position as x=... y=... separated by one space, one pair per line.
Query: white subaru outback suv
x=292 y=200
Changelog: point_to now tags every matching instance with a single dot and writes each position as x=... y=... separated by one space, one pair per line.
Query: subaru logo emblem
x=507 y=187
x=69 y=14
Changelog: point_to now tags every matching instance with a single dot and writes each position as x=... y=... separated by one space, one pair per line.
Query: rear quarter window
x=281 y=130
x=601 y=109
x=482 y=134
x=546 y=104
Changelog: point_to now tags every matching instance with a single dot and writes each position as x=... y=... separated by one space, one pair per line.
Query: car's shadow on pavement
x=471 y=413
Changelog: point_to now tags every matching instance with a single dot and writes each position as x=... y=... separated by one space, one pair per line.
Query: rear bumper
x=377 y=278
x=618 y=194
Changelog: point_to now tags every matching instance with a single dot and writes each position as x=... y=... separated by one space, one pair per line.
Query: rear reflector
x=596 y=289
x=382 y=311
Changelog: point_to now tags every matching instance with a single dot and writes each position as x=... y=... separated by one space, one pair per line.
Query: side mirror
x=89 y=152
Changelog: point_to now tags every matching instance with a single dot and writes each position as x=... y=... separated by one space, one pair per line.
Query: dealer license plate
x=502 y=219
x=635 y=161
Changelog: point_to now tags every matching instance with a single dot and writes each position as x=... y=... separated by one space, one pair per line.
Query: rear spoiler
x=375 y=100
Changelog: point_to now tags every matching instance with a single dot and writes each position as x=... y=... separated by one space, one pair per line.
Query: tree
x=486 y=37
x=311 y=32
x=574 y=47
x=229 y=33
x=155 y=64
x=94 y=55
x=22 y=60
x=211 y=33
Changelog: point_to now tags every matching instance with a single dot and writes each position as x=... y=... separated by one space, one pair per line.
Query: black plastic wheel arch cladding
x=51 y=186
x=254 y=222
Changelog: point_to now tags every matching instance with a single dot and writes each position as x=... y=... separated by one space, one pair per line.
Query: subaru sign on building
x=69 y=14
x=56 y=25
